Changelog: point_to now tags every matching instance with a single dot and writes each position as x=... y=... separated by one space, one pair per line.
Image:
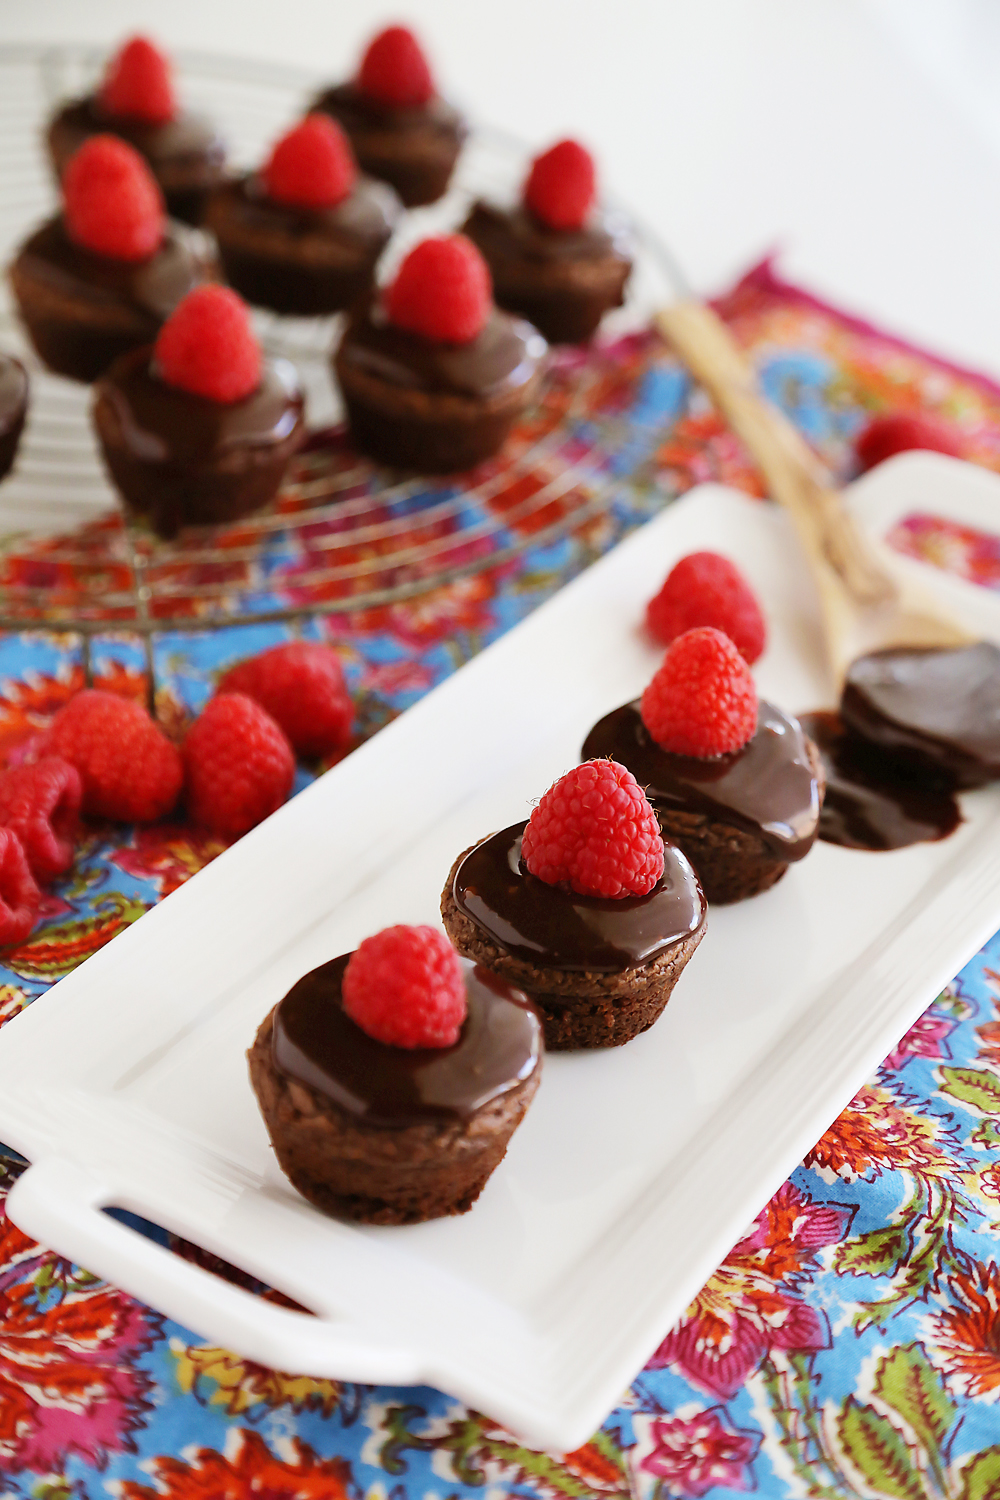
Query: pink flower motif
x=691 y=1455
x=925 y=1038
x=391 y=677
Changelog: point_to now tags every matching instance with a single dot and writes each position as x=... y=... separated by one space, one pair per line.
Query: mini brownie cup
x=600 y=968
x=101 y=278
x=136 y=101
x=13 y=408
x=386 y=1133
x=304 y=234
x=555 y=258
x=401 y=130
x=741 y=815
x=433 y=376
x=199 y=428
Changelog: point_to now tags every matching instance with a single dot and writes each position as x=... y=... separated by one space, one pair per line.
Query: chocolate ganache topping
x=937 y=710
x=361 y=115
x=158 y=422
x=367 y=215
x=515 y=232
x=555 y=928
x=502 y=358
x=316 y=1043
x=188 y=139
x=152 y=287
x=767 y=787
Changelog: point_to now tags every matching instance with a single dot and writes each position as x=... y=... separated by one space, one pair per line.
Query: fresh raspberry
x=561 y=186
x=898 y=432
x=312 y=166
x=113 y=204
x=707 y=589
x=702 y=701
x=595 y=832
x=301 y=685
x=394 y=70
x=443 y=290
x=239 y=765
x=129 y=769
x=41 y=803
x=138 y=84
x=405 y=987
x=208 y=347
x=20 y=897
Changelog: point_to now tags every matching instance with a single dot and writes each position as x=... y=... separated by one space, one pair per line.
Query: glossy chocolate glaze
x=415 y=149
x=366 y=217
x=360 y=115
x=559 y=929
x=767 y=787
x=13 y=407
x=869 y=802
x=937 y=710
x=503 y=358
x=502 y=233
x=316 y=1043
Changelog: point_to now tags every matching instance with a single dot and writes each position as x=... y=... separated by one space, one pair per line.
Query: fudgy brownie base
x=380 y=1174
x=579 y=1008
x=565 y=300
x=72 y=335
x=732 y=863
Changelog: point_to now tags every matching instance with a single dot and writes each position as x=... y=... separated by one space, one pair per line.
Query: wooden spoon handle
x=794 y=475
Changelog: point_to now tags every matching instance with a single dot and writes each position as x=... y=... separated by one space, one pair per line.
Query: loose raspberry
x=138 y=84
x=595 y=832
x=561 y=186
x=41 y=804
x=898 y=432
x=405 y=987
x=113 y=204
x=301 y=685
x=129 y=769
x=239 y=765
x=208 y=347
x=312 y=166
x=443 y=290
x=20 y=897
x=702 y=701
x=707 y=589
x=394 y=70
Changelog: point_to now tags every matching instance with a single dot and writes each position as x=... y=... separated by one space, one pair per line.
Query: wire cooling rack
x=344 y=534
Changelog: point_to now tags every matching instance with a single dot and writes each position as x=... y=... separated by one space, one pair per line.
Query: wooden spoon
x=866 y=604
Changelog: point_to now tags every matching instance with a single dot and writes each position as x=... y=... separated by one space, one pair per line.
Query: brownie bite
x=13 y=409
x=189 y=437
x=137 y=102
x=393 y=1134
x=401 y=130
x=303 y=235
x=555 y=257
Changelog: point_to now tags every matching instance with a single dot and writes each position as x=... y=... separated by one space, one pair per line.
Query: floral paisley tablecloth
x=848 y=1345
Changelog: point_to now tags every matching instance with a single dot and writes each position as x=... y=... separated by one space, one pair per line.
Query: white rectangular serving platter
x=636 y=1169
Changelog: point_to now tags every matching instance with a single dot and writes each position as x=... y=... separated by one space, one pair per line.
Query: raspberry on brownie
x=138 y=102
x=585 y=907
x=199 y=427
x=401 y=129
x=303 y=234
x=432 y=374
x=555 y=257
x=392 y=1078
x=100 y=278
x=733 y=781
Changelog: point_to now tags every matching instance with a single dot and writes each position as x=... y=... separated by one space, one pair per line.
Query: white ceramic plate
x=635 y=1170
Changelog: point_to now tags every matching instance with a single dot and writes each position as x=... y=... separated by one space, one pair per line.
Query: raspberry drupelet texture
x=20 y=897
x=443 y=291
x=705 y=588
x=898 y=432
x=595 y=831
x=112 y=201
x=208 y=347
x=301 y=685
x=405 y=987
x=129 y=769
x=561 y=186
x=41 y=804
x=138 y=84
x=702 y=701
x=238 y=765
x=312 y=166
x=395 y=72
